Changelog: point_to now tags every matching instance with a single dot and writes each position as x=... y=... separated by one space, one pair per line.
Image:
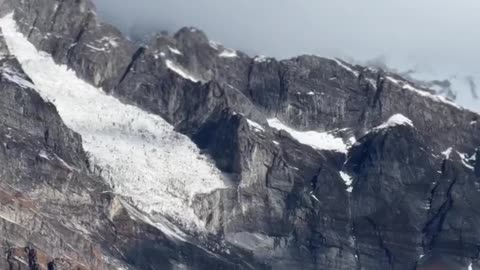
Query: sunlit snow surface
x=148 y=163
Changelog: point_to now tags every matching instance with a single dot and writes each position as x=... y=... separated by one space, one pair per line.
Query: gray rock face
x=290 y=206
x=96 y=51
x=52 y=204
x=41 y=162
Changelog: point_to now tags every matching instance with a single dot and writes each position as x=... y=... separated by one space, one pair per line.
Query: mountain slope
x=56 y=213
x=134 y=149
x=330 y=165
x=45 y=188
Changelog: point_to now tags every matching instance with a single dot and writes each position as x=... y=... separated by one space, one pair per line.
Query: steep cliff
x=310 y=163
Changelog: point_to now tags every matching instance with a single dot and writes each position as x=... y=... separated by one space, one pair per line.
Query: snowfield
x=147 y=162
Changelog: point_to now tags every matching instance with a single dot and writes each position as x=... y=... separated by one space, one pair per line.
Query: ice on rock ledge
x=148 y=163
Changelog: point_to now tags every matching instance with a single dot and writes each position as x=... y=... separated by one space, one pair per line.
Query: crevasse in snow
x=148 y=163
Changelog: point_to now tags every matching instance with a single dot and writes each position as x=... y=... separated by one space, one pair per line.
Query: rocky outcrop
x=401 y=192
x=45 y=188
x=75 y=37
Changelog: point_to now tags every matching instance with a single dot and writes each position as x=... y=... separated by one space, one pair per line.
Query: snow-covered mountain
x=184 y=154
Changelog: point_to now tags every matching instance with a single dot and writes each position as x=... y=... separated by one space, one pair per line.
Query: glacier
x=147 y=163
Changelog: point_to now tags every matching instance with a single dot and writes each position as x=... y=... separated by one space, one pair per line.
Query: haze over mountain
x=438 y=39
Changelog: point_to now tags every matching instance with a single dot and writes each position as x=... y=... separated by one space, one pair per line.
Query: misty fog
x=438 y=39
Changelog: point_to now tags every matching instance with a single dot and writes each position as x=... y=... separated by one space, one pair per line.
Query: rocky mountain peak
x=184 y=154
x=191 y=35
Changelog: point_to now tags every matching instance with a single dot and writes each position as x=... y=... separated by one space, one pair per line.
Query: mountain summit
x=185 y=154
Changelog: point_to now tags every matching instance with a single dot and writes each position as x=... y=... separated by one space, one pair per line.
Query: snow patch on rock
x=260 y=59
x=465 y=160
x=446 y=154
x=180 y=71
x=158 y=54
x=227 y=53
x=16 y=78
x=314 y=197
x=396 y=120
x=347 y=179
x=215 y=45
x=94 y=48
x=256 y=126
x=175 y=51
x=109 y=41
x=43 y=154
x=315 y=139
x=147 y=162
x=436 y=98
x=344 y=66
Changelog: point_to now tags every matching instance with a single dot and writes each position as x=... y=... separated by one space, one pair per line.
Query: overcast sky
x=435 y=36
